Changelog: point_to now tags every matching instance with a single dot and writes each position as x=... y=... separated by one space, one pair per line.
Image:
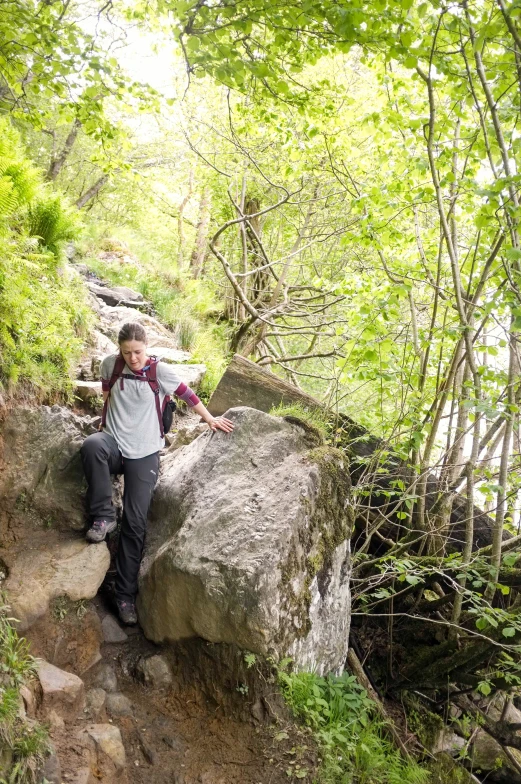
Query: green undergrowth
x=44 y=316
x=23 y=742
x=354 y=742
x=188 y=307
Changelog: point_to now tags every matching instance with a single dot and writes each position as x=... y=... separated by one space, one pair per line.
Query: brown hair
x=132 y=330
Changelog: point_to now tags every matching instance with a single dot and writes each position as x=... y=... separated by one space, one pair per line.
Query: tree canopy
x=339 y=183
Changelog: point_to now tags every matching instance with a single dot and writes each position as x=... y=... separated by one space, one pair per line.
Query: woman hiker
x=136 y=391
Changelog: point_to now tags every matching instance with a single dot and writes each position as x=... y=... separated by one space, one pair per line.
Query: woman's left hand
x=221 y=423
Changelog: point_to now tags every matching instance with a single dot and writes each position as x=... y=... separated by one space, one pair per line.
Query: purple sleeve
x=183 y=392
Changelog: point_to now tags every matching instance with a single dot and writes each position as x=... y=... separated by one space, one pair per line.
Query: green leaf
x=508 y=631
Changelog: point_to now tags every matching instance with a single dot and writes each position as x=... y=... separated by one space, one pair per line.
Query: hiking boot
x=100 y=529
x=127 y=612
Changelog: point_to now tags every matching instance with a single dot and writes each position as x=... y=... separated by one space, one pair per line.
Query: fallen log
x=244 y=383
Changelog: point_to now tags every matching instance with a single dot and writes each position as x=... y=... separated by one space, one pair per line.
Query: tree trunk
x=260 y=279
x=199 y=250
x=57 y=163
x=92 y=192
x=180 y=225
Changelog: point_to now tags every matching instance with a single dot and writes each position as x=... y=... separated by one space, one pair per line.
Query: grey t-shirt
x=131 y=412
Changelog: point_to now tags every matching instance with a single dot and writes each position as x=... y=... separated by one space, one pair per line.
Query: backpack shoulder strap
x=151 y=371
x=151 y=374
x=119 y=366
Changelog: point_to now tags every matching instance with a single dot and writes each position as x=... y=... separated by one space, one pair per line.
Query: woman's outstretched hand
x=216 y=423
x=221 y=423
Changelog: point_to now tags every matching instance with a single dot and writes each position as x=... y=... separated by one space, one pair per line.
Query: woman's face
x=134 y=353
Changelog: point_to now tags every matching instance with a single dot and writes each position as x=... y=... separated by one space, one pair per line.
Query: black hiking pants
x=101 y=458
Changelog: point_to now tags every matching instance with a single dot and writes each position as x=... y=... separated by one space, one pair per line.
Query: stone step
x=113 y=295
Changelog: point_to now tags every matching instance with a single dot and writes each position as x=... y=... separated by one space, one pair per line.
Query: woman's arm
x=216 y=423
x=181 y=390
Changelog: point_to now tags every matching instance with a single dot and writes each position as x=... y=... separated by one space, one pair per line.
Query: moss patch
x=444 y=769
x=330 y=524
x=427 y=726
x=314 y=435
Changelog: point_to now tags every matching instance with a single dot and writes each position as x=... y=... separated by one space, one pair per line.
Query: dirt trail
x=177 y=735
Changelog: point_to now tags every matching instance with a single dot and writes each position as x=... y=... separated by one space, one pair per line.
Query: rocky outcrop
x=89 y=392
x=115 y=294
x=490 y=758
x=73 y=569
x=245 y=383
x=249 y=543
x=96 y=349
x=155 y=672
x=113 y=318
x=107 y=756
x=112 y=631
x=41 y=465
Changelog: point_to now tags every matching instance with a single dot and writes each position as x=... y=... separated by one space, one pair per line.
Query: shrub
x=52 y=223
x=43 y=312
x=354 y=743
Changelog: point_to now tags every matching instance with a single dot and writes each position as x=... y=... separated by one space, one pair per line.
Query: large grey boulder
x=249 y=543
x=41 y=465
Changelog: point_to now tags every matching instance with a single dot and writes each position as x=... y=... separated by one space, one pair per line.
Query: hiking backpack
x=165 y=413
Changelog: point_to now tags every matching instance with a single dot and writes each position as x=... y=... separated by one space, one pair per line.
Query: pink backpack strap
x=119 y=366
x=151 y=375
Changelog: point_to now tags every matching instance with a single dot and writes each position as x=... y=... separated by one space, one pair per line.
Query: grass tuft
x=317 y=419
x=23 y=742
